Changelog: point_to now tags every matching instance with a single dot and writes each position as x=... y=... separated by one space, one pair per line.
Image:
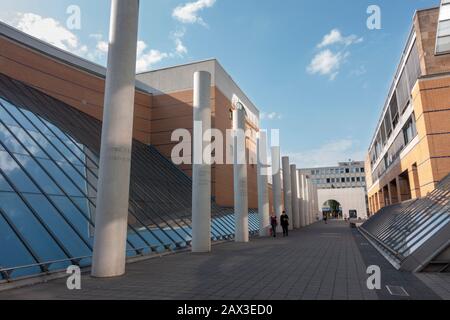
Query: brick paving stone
x=319 y=262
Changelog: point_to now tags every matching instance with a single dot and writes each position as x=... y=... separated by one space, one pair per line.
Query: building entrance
x=332 y=209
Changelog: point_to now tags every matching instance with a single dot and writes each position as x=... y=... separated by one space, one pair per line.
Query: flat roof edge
x=58 y=54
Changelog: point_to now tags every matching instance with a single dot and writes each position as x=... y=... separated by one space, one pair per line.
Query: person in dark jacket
x=274 y=224
x=284 y=219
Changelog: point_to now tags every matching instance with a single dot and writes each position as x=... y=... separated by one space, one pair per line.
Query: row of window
x=397 y=104
x=408 y=133
x=316 y=172
x=339 y=180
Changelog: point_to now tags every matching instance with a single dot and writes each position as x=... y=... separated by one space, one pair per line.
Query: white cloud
x=327 y=63
x=102 y=46
x=336 y=37
x=48 y=30
x=329 y=154
x=146 y=60
x=180 y=48
x=53 y=32
x=189 y=12
x=271 y=116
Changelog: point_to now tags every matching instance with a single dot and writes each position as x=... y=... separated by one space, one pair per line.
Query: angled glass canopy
x=48 y=183
x=401 y=230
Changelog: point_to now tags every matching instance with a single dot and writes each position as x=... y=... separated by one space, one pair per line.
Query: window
x=328 y=180
x=353 y=179
x=362 y=170
x=443 y=31
x=342 y=180
x=388 y=125
x=393 y=109
x=403 y=92
x=409 y=130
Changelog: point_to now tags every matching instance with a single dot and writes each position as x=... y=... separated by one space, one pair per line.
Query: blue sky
x=313 y=68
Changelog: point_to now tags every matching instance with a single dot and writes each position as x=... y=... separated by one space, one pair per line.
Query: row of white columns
x=299 y=193
x=115 y=160
x=292 y=192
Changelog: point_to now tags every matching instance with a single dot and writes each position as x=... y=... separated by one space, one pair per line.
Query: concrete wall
x=349 y=198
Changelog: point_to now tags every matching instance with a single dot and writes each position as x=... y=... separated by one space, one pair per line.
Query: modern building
x=51 y=106
x=410 y=150
x=346 y=175
x=344 y=184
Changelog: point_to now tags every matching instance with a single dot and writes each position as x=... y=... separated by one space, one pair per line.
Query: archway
x=332 y=209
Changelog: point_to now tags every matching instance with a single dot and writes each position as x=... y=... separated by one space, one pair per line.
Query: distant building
x=345 y=175
x=344 y=183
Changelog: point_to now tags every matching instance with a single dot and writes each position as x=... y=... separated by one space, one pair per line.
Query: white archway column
x=263 y=191
x=276 y=184
x=308 y=202
x=295 y=197
x=201 y=168
x=287 y=190
x=111 y=219
x=302 y=181
x=240 y=177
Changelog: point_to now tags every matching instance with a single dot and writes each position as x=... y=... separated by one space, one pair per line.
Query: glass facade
x=48 y=181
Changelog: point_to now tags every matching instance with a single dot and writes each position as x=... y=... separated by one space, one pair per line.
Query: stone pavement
x=320 y=262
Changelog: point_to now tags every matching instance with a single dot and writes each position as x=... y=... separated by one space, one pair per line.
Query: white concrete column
x=295 y=198
x=311 y=201
x=302 y=193
x=276 y=184
x=287 y=190
x=240 y=177
x=308 y=202
x=117 y=132
x=201 y=168
x=263 y=191
x=314 y=211
x=316 y=204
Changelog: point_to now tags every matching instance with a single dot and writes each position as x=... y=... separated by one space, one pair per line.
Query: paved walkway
x=317 y=263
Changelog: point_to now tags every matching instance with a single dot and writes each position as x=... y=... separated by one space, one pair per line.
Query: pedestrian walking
x=274 y=224
x=284 y=219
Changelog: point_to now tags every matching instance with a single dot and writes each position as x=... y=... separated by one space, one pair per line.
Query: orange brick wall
x=82 y=90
